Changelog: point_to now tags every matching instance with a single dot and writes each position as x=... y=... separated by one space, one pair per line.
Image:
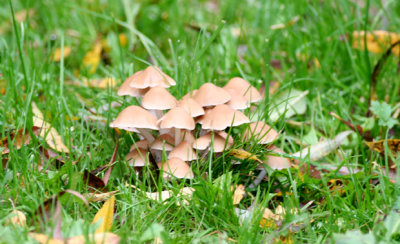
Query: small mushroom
x=191 y=106
x=189 y=94
x=163 y=143
x=211 y=95
x=126 y=90
x=261 y=133
x=137 y=157
x=151 y=77
x=142 y=144
x=183 y=151
x=219 y=143
x=136 y=118
x=278 y=162
x=238 y=101
x=244 y=88
x=179 y=119
x=158 y=99
x=175 y=167
x=223 y=116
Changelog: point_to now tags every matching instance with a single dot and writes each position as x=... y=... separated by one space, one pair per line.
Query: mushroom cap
x=137 y=157
x=142 y=144
x=238 y=101
x=203 y=142
x=158 y=98
x=211 y=95
x=150 y=77
x=261 y=132
x=177 y=118
x=176 y=167
x=243 y=87
x=189 y=94
x=277 y=162
x=135 y=117
x=223 y=116
x=163 y=142
x=191 y=106
x=183 y=151
x=126 y=90
x=187 y=136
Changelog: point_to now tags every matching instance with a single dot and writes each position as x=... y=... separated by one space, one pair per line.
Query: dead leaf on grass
x=102 y=83
x=379 y=146
x=97 y=238
x=377 y=41
x=93 y=57
x=238 y=194
x=16 y=218
x=56 y=57
x=243 y=154
x=105 y=216
x=19 y=139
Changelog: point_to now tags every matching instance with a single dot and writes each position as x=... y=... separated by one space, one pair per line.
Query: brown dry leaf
x=16 y=218
x=93 y=57
x=102 y=83
x=47 y=132
x=56 y=57
x=238 y=194
x=93 y=181
x=19 y=139
x=379 y=146
x=378 y=41
x=242 y=154
x=105 y=216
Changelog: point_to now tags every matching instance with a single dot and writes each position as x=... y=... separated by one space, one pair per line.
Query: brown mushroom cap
x=158 y=98
x=175 y=167
x=150 y=77
x=204 y=142
x=142 y=144
x=223 y=116
x=277 y=162
x=126 y=90
x=183 y=151
x=211 y=95
x=135 y=117
x=261 y=133
x=163 y=142
x=243 y=87
x=189 y=94
x=177 y=118
x=138 y=157
x=191 y=106
x=238 y=101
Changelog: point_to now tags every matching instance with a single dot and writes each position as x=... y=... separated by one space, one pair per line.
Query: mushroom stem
x=177 y=136
x=146 y=134
x=158 y=113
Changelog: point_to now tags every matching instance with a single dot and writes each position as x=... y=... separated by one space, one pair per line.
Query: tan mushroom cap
x=238 y=101
x=137 y=157
x=158 y=98
x=150 y=77
x=175 y=167
x=135 y=117
x=177 y=118
x=187 y=136
x=189 y=94
x=191 y=106
x=126 y=90
x=225 y=135
x=243 y=87
x=277 y=162
x=183 y=151
x=261 y=133
x=211 y=95
x=223 y=116
x=204 y=142
x=142 y=144
x=163 y=142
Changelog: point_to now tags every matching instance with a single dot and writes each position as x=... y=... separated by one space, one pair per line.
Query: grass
x=196 y=42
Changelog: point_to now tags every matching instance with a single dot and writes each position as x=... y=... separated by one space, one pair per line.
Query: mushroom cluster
x=165 y=125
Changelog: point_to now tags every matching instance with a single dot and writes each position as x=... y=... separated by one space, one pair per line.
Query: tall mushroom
x=244 y=88
x=260 y=132
x=211 y=95
x=179 y=119
x=158 y=99
x=223 y=116
x=151 y=77
x=176 y=167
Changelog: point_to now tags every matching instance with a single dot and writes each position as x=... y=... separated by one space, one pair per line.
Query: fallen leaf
x=93 y=181
x=379 y=146
x=164 y=195
x=105 y=216
x=321 y=149
x=289 y=103
x=16 y=218
x=57 y=53
x=242 y=154
x=100 y=83
x=18 y=138
x=377 y=41
x=44 y=239
x=97 y=238
x=47 y=132
x=93 y=57
x=238 y=194
x=96 y=197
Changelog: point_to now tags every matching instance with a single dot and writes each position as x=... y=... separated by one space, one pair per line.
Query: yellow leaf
x=47 y=132
x=95 y=197
x=92 y=58
x=16 y=217
x=123 y=39
x=242 y=154
x=57 y=53
x=377 y=41
x=238 y=194
x=100 y=83
x=105 y=216
x=44 y=239
x=98 y=238
x=379 y=146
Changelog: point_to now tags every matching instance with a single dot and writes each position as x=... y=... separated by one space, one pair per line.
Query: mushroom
x=126 y=90
x=175 y=167
x=164 y=143
x=135 y=118
x=223 y=116
x=158 y=99
x=244 y=88
x=238 y=101
x=138 y=157
x=278 y=162
x=189 y=94
x=183 y=151
x=142 y=144
x=218 y=145
x=178 y=119
x=151 y=77
x=191 y=106
x=260 y=132
x=211 y=95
